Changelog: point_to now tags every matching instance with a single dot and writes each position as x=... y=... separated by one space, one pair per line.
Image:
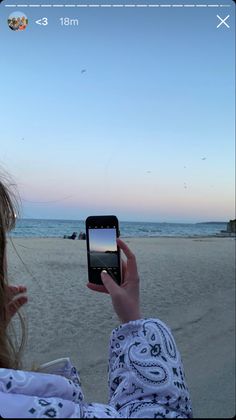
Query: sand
x=188 y=283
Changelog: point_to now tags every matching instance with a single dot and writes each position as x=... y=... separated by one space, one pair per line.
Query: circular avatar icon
x=17 y=21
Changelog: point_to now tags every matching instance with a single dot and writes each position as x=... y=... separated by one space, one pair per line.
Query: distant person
x=82 y=235
x=73 y=236
x=146 y=376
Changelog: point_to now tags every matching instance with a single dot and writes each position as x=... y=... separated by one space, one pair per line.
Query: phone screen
x=103 y=253
x=103 y=248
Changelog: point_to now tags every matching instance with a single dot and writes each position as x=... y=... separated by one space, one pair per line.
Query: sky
x=127 y=111
x=101 y=240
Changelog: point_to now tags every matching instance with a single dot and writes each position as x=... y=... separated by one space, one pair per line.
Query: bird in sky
x=83 y=71
x=203 y=158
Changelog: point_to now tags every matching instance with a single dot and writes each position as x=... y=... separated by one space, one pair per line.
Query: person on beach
x=146 y=375
x=73 y=236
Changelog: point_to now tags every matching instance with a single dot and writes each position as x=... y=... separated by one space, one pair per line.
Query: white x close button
x=223 y=21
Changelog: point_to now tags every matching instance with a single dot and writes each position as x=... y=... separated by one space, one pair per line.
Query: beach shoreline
x=218 y=235
x=61 y=228
x=189 y=283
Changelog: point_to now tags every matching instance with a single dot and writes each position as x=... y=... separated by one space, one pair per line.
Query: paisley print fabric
x=146 y=380
x=146 y=375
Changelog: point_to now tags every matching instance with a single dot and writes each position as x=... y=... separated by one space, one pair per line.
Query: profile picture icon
x=17 y=21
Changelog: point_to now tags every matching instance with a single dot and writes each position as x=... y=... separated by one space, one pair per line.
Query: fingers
x=15 y=287
x=97 y=287
x=122 y=245
x=124 y=270
x=16 y=304
x=109 y=283
x=14 y=290
x=131 y=260
x=18 y=288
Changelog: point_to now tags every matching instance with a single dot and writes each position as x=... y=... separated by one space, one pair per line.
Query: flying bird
x=204 y=158
x=83 y=71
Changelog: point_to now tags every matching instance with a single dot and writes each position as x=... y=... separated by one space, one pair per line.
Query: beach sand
x=189 y=283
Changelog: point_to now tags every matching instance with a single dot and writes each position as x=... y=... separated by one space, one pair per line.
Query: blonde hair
x=10 y=350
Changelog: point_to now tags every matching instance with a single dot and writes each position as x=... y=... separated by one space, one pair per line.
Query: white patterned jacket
x=146 y=380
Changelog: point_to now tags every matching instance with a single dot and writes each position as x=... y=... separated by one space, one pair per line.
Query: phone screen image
x=103 y=251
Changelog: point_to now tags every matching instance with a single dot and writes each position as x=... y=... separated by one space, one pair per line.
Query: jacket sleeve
x=146 y=376
x=53 y=393
x=26 y=406
x=17 y=406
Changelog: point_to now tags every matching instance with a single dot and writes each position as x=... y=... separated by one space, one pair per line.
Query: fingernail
x=104 y=272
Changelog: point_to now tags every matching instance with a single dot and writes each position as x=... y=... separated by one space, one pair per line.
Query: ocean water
x=58 y=228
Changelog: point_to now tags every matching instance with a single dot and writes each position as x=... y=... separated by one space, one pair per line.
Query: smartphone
x=102 y=250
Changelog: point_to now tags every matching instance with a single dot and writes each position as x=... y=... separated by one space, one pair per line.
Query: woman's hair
x=10 y=352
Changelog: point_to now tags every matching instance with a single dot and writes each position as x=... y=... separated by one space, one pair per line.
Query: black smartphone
x=102 y=250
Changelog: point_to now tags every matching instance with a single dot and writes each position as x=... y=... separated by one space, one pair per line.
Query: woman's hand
x=16 y=299
x=125 y=298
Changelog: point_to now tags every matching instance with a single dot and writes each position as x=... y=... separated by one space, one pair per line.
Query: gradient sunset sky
x=146 y=132
x=102 y=240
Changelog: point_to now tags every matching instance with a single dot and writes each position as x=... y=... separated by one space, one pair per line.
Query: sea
x=42 y=228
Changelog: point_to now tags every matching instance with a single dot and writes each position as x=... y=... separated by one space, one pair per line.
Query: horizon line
x=128 y=221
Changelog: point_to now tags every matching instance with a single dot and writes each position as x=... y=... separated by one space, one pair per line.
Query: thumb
x=109 y=283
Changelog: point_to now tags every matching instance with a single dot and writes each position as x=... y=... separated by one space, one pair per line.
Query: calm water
x=59 y=228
